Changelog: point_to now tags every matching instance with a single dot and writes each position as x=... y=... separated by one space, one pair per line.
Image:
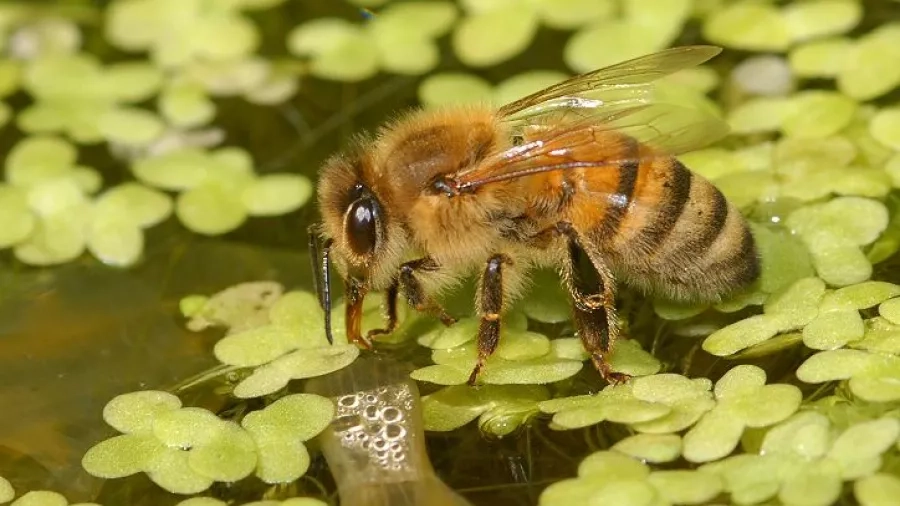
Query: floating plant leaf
x=571 y=14
x=230 y=455
x=655 y=448
x=686 y=487
x=176 y=170
x=56 y=239
x=170 y=470
x=201 y=501
x=880 y=489
x=133 y=413
x=210 y=209
x=319 y=36
x=115 y=240
x=818 y=18
x=276 y=194
x=745 y=333
x=38 y=158
x=748 y=26
x=613 y=403
x=16 y=219
x=6 y=491
x=634 y=39
x=186 y=106
x=121 y=456
x=500 y=408
x=742 y=401
x=861 y=442
x=817 y=113
x=867 y=73
x=353 y=58
x=136 y=203
x=494 y=36
x=453 y=88
x=304 y=363
x=41 y=498
x=885 y=127
x=687 y=399
x=834 y=329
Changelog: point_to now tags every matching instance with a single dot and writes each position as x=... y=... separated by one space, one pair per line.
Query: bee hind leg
x=415 y=293
x=592 y=291
x=491 y=305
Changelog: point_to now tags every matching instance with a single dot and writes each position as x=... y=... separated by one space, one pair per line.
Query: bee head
x=362 y=240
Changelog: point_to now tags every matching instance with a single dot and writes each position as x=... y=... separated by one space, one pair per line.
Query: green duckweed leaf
x=186 y=427
x=867 y=73
x=39 y=158
x=115 y=240
x=817 y=113
x=824 y=58
x=295 y=416
x=424 y=19
x=612 y=466
x=230 y=455
x=41 y=498
x=16 y=220
x=581 y=55
x=276 y=194
x=353 y=58
x=257 y=346
x=176 y=170
x=121 y=456
x=687 y=399
x=833 y=330
x=799 y=302
x=186 y=105
x=815 y=484
x=281 y=460
x=748 y=26
x=885 y=127
x=448 y=88
x=863 y=441
x=134 y=412
x=859 y=296
x=806 y=434
x=137 y=203
x=628 y=357
x=890 y=310
x=760 y=114
x=655 y=448
x=713 y=437
x=201 y=501
x=501 y=408
x=745 y=333
x=565 y=492
x=10 y=77
x=56 y=239
x=614 y=403
x=837 y=364
x=224 y=38
x=132 y=81
x=170 y=470
x=320 y=35
x=818 y=18
x=211 y=210
x=880 y=489
x=686 y=487
x=304 y=363
x=406 y=53
x=492 y=37
x=6 y=491
x=571 y=14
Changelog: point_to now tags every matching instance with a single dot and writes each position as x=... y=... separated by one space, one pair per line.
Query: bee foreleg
x=593 y=306
x=491 y=306
x=415 y=293
x=390 y=303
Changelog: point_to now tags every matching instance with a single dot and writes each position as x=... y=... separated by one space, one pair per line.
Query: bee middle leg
x=491 y=307
x=415 y=293
x=593 y=304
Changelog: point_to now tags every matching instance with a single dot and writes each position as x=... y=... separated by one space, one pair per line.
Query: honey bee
x=581 y=173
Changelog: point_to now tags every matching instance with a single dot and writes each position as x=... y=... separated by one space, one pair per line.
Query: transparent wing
x=585 y=141
x=626 y=83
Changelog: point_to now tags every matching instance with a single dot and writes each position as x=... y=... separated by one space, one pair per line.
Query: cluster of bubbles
x=373 y=425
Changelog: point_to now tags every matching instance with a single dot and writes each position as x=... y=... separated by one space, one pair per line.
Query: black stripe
x=712 y=223
x=628 y=174
x=743 y=264
x=677 y=192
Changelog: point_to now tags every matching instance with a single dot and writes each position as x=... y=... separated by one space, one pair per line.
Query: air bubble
x=396 y=447
x=346 y=422
x=394 y=432
x=399 y=456
x=380 y=454
x=371 y=399
x=380 y=445
x=371 y=412
x=391 y=414
x=348 y=401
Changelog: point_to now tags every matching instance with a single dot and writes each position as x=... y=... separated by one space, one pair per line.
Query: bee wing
x=624 y=84
x=574 y=144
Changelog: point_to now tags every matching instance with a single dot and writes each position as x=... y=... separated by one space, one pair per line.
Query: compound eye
x=361 y=226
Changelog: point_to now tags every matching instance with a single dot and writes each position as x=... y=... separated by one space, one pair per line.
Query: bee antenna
x=321 y=275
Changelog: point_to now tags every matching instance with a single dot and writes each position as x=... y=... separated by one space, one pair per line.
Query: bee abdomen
x=680 y=236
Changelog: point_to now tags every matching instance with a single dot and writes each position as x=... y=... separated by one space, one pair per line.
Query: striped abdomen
x=665 y=229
